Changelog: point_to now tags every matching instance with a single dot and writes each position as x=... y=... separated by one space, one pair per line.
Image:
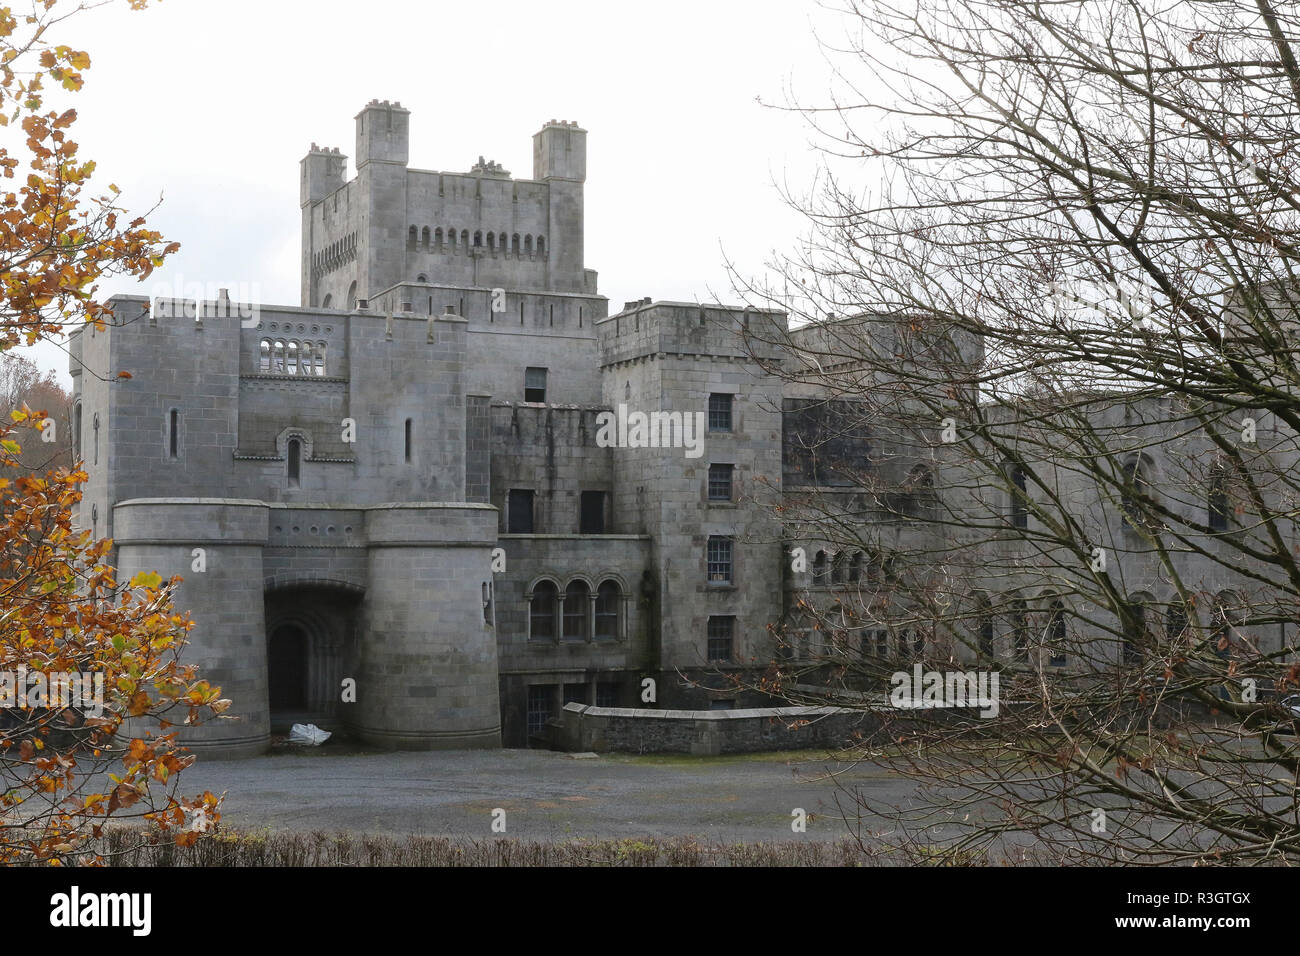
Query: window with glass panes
x=720 y=412
x=722 y=632
x=719 y=559
x=720 y=482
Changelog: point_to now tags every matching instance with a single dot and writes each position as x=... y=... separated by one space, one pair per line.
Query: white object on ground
x=308 y=734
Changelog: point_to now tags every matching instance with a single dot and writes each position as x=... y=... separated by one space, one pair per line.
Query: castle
x=399 y=483
x=396 y=506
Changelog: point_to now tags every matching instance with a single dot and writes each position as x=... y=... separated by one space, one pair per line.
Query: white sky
x=211 y=104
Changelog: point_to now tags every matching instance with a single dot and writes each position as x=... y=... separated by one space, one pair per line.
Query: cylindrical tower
x=215 y=544
x=428 y=674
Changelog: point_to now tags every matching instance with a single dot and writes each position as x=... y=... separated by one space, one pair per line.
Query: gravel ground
x=546 y=796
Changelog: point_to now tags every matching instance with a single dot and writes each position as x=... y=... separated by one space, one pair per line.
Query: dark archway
x=286 y=667
x=311 y=650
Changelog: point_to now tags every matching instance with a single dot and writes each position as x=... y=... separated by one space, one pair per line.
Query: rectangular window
x=720 y=482
x=575 y=693
x=722 y=705
x=720 y=412
x=722 y=633
x=408 y=439
x=519 y=511
x=591 y=517
x=539 y=707
x=534 y=385
x=173 y=432
x=719 y=560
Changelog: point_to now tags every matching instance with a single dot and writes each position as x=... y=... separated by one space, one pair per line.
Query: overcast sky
x=210 y=104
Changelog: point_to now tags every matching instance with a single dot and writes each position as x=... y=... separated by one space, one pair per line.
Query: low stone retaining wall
x=584 y=728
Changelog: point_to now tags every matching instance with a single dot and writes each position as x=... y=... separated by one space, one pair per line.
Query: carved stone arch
x=300 y=433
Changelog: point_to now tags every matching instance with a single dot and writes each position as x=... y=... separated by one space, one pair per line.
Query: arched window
x=542 y=610
x=320 y=358
x=1135 y=491
x=528 y=246
x=1177 y=623
x=264 y=360
x=294 y=456
x=291 y=366
x=1019 y=621
x=437 y=237
x=1135 y=630
x=424 y=237
x=541 y=246
x=1225 y=615
x=1055 y=634
x=984 y=627
x=451 y=239
x=410 y=238
x=819 y=570
x=855 y=568
x=514 y=245
x=76 y=432
x=577 y=604
x=277 y=356
x=1017 y=497
x=352 y=296
x=327 y=302
x=1218 y=507
x=919 y=499
x=492 y=242
x=422 y=278
x=607 y=601
x=837 y=568
x=464 y=238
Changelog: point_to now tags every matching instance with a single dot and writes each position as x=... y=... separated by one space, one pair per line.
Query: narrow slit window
x=408 y=440
x=173 y=433
x=295 y=462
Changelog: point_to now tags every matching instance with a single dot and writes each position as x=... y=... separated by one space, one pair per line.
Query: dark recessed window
x=1056 y=634
x=719 y=558
x=408 y=439
x=1219 y=508
x=607 y=598
x=1019 y=501
x=606 y=695
x=519 y=511
x=539 y=707
x=591 y=518
x=173 y=433
x=295 y=462
x=534 y=385
x=577 y=605
x=541 y=611
x=719 y=412
x=722 y=635
x=720 y=482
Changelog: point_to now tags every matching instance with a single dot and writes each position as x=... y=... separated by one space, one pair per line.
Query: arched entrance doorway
x=286 y=668
x=310 y=648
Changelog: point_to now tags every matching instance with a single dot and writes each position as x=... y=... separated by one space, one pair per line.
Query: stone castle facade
x=400 y=482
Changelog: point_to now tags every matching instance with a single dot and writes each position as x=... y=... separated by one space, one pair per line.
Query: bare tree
x=1055 y=438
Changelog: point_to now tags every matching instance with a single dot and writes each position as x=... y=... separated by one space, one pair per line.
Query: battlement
x=645 y=328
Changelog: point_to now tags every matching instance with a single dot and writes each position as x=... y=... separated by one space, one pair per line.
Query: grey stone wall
x=710 y=732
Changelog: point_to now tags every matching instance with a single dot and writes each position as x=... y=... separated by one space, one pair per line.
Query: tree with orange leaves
x=87 y=663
